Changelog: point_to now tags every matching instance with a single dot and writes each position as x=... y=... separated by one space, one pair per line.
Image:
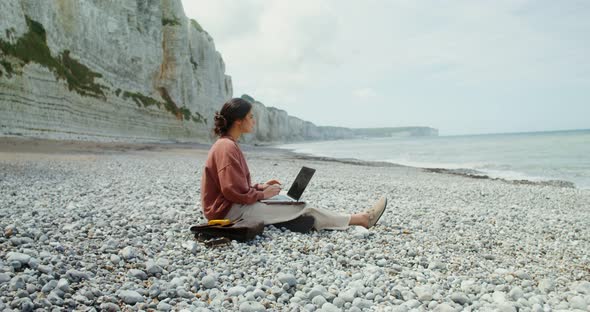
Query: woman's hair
x=232 y=110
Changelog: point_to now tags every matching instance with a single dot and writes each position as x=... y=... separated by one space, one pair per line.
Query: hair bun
x=220 y=120
x=220 y=124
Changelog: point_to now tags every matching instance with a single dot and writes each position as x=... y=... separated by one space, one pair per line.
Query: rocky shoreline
x=106 y=228
x=469 y=173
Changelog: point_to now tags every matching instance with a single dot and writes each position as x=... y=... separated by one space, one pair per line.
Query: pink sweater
x=226 y=180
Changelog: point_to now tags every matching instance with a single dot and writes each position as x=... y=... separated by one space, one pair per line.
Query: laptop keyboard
x=281 y=197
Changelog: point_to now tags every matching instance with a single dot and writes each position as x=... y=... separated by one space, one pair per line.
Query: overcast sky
x=460 y=66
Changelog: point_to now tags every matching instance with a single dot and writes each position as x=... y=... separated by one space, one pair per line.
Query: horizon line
x=520 y=132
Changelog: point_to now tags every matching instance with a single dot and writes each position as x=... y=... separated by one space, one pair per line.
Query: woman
x=227 y=192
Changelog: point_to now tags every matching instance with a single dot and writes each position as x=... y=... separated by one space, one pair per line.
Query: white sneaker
x=376 y=211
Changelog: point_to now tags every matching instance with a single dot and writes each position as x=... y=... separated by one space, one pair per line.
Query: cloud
x=226 y=20
x=419 y=55
x=364 y=93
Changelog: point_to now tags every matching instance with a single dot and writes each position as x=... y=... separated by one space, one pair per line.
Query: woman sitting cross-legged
x=227 y=192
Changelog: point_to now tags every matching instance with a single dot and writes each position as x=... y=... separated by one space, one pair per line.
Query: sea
x=532 y=156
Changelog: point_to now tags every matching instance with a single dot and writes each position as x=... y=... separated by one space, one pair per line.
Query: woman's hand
x=269 y=183
x=271 y=191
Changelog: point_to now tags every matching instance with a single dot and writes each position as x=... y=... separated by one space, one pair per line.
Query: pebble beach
x=105 y=227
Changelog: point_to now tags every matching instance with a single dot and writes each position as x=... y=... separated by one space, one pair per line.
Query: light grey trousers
x=277 y=213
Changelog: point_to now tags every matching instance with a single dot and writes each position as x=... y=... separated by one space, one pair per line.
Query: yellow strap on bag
x=219 y=222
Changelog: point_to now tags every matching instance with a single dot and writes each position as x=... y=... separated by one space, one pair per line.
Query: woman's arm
x=235 y=188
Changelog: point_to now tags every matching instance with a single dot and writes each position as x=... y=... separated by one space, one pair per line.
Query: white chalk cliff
x=124 y=70
x=130 y=70
x=275 y=125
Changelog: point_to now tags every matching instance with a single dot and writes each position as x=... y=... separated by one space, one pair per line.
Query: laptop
x=296 y=189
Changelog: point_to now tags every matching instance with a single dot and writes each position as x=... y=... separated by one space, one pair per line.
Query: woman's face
x=247 y=124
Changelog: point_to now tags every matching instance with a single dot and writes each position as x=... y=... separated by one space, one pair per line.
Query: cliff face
x=130 y=70
x=276 y=126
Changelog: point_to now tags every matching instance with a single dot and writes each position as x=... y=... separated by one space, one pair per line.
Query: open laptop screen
x=300 y=182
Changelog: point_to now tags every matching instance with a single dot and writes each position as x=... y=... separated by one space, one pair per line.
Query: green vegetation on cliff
x=170 y=21
x=169 y=105
x=79 y=77
x=140 y=99
x=32 y=48
x=7 y=67
x=179 y=112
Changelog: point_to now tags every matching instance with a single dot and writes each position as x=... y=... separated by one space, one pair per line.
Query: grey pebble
x=152 y=268
x=582 y=287
x=547 y=285
x=249 y=306
x=115 y=259
x=128 y=253
x=58 y=292
x=328 y=307
x=339 y=302
x=49 y=286
x=258 y=293
x=460 y=298
x=4 y=278
x=55 y=299
x=423 y=293
x=236 y=291
x=396 y=267
x=44 y=269
x=288 y=279
x=516 y=293
x=176 y=282
x=17 y=283
x=577 y=302
x=163 y=306
x=348 y=295
x=443 y=307
x=22 y=258
x=522 y=275
x=183 y=293
x=34 y=263
x=412 y=303
x=139 y=274
x=63 y=285
x=76 y=276
x=109 y=306
x=208 y=281
x=21 y=293
x=360 y=232
x=361 y=303
x=318 y=300
x=436 y=265
x=31 y=288
x=317 y=290
x=163 y=262
x=25 y=304
x=154 y=290
x=130 y=296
